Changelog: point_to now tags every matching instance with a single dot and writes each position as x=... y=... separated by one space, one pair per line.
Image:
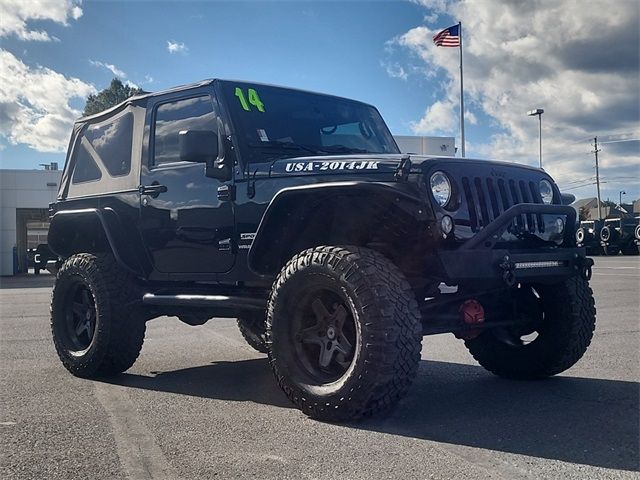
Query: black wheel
x=561 y=322
x=95 y=330
x=343 y=331
x=630 y=249
x=253 y=330
x=611 y=250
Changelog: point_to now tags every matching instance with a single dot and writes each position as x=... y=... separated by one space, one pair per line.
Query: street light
x=621 y=193
x=533 y=113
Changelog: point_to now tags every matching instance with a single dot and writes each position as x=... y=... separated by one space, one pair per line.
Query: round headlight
x=440 y=188
x=546 y=191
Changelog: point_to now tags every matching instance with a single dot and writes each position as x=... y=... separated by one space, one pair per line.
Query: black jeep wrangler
x=295 y=213
x=588 y=236
x=620 y=235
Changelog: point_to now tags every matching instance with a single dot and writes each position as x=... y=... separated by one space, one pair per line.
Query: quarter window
x=85 y=169
x=112 y=142
x=171 y=118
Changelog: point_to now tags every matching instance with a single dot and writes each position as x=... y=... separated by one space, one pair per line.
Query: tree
x=116 y=92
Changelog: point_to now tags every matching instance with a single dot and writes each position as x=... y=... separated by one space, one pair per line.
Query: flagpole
x=461 y=91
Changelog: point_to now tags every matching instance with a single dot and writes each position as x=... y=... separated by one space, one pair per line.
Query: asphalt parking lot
x=200 y=403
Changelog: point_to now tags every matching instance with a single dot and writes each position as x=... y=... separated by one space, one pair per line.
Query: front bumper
x=511 y=267
x=478 y=261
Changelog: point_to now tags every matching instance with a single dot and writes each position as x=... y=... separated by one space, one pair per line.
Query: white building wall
x=22 y=189
x=438 y=146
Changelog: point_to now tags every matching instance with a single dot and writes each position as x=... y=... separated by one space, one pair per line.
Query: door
x=186 y=228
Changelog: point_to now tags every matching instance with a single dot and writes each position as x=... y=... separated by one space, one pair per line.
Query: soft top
x=141 y=100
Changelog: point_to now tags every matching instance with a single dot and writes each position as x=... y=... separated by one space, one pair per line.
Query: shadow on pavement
x=44 y=280
x=578 y=420
x=247 y=380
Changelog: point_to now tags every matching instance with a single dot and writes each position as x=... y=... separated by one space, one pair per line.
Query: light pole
x=621 y=193
x=533 y=113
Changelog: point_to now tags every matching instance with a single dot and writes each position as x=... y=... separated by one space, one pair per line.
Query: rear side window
x=112 y=142
x=85 y=169
x=173 y=117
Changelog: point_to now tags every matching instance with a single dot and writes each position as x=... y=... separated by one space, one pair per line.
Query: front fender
x=290 y=205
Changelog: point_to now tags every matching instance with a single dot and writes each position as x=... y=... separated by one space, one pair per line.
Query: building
x=589 y=207
x=24 y=219
x=440 y=146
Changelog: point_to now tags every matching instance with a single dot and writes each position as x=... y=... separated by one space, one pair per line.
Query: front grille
x=487 y=198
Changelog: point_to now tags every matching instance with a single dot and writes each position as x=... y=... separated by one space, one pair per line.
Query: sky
x=578 y=60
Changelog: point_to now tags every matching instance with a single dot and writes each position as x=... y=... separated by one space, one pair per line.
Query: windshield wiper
x=277 y=144
x=342 y=149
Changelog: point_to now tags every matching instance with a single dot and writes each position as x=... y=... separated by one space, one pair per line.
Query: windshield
x=272 y=122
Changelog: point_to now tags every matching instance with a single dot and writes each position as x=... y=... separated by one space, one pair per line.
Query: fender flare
x=291 y=198
x=104 y=223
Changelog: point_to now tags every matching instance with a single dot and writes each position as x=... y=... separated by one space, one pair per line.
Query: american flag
x=449 y=37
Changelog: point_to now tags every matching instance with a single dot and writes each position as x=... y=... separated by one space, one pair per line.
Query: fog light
x=446 y=225
x=559 y=225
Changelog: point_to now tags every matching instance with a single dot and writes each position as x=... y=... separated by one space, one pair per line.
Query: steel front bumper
x=478 y=261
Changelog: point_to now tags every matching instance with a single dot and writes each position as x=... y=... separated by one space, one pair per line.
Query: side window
x=173 y=117
x=85 y=169
x=112 y=142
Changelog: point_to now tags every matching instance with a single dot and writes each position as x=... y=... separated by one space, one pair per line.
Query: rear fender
x=93 y=230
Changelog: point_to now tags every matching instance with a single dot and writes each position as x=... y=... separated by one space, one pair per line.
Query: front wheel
x=343 y=331
x=561 y=323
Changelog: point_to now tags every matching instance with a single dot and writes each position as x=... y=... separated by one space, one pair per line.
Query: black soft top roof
x=141 y=100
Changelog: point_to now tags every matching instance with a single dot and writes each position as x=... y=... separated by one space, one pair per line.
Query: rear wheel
x=95 y=330
x=344 y=332
x=253 y=330
x=561 y=319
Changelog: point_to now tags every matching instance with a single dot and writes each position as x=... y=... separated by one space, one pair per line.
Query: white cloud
x=109 y=66
x=34 y=104
x=129 y=83
x=148 y=79
x=577 y=60
x=394 y=70
x=176 y=47
x=15 y=15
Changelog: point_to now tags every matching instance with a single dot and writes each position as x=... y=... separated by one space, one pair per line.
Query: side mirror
x=567 y=198
x=198 y=146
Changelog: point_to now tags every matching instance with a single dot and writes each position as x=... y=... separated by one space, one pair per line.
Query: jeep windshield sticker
x=254 y=100
x=326 y=166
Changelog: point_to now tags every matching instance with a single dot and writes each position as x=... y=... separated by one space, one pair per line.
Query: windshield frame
x=242 y=148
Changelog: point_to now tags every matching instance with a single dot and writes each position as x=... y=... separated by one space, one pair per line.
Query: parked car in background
x=620 y=235
x=588 y=236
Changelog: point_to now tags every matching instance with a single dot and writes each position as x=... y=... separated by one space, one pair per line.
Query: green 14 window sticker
x=254 y=99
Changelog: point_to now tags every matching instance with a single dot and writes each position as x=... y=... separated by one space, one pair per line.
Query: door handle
x=152 y=190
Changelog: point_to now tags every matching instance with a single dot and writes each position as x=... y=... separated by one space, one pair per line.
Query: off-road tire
x=386 y=315
x=570 y=317
x=253 y=330
x=118 y=332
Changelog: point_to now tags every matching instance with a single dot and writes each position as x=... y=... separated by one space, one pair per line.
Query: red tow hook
x=472 y=313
